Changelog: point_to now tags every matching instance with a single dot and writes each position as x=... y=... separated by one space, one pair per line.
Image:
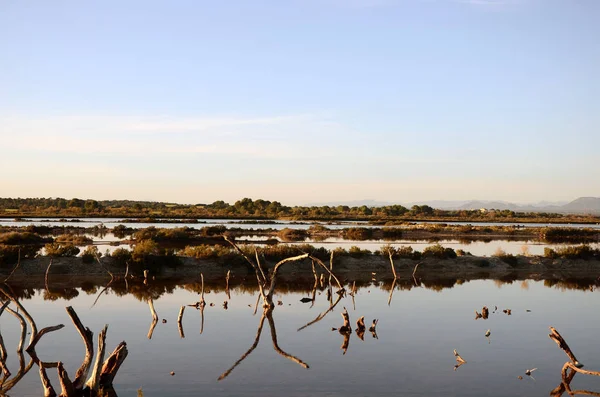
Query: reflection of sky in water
x=274 y=224
x=413 y=355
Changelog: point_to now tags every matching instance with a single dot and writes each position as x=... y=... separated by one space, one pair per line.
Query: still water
x=412 y=356
x=252 y=224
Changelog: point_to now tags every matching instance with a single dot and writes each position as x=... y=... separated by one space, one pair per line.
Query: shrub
x=357 y=233
x=391 y=232
x=17 y=238
x=121 y=231
x=550 y=253
x=437 y=251
x=61 y=249
x=121 y=256
x=572 y=252
x=73 y=239
x=288 y=234
x=564 y=234
x=506 y=258
x=356 y=252
x=9 y=254
x=90 y=253
x=210 y=231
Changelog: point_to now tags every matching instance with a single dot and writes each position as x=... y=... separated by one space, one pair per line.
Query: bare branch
x=276 y=345
x=94 y=380
x=87 y=337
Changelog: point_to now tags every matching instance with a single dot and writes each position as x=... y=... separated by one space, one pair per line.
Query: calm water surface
x=413 y=355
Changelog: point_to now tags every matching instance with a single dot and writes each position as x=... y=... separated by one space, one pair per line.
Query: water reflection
x=268 y=314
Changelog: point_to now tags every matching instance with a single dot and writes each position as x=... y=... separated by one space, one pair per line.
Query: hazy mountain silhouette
x=581 y=205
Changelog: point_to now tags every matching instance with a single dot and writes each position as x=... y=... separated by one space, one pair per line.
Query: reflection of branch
x=392 y=291
x=46 y=278
x=15 y=268
x=566 y=381
x=202 y=320
x=276 y=345
x=154 y=318
x=243 y=357
x=179 y=324
x=22 y=310
x=322 y=315
x=268 y=314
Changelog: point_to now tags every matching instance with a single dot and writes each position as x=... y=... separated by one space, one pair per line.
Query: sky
x=300 y=101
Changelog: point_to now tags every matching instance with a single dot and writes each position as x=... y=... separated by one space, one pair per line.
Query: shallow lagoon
x=412 y=356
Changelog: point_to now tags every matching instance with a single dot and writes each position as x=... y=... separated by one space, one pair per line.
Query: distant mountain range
x=581 y=205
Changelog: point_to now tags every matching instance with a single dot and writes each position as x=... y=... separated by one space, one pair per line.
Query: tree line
x=258 y=209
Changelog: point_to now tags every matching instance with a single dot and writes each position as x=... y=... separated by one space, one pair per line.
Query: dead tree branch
x=556 y=337
x=87 y=337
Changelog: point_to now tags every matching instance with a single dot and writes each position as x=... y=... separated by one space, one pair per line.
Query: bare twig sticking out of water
x=154 y=318
x=556 y=337
x=260 y=276
x=415 y=272
x=94 y=380
x=179 y=324
x=202 y=301
x=459 y=360
x=46 y=277
x=322 y=315
x=16 y=266
x=103 y=373
x=392 y=264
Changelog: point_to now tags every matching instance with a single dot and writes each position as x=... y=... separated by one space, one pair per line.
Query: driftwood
x=569 y=369
x=94 y=381
x=556 y=337
x=271 y=280
x=459 y=360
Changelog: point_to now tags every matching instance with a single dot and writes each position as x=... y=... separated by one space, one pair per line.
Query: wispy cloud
x=268 y=137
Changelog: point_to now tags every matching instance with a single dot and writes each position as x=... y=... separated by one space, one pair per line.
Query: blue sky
x=300 y=100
